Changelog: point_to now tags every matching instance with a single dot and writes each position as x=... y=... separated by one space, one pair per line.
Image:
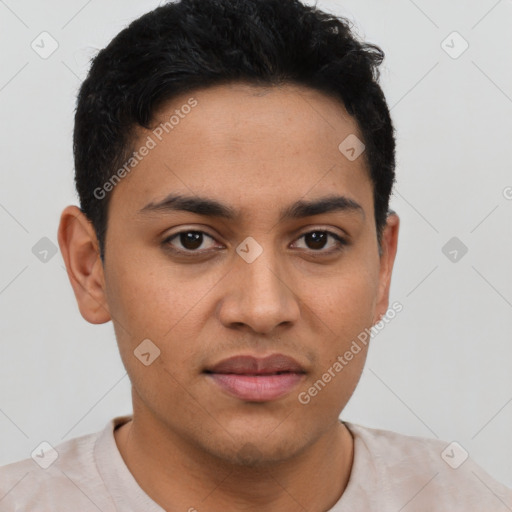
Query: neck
x=180 y=476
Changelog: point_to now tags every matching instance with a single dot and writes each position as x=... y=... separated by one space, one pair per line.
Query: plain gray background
x=440 y=369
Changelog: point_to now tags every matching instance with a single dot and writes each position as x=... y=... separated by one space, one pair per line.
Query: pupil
x=191 y=239
x=318 y=238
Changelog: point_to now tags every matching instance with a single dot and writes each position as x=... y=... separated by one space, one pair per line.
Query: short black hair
x=192 y=44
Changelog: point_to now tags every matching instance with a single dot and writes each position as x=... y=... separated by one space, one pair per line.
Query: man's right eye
x=190 y=241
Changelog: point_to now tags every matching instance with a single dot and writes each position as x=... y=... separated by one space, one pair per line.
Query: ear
x=389 y=245
x=80 y=250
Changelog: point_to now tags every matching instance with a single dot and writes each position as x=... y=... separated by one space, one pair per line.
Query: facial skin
x=258 y=151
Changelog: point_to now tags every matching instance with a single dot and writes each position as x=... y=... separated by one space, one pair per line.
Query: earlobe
x=79 y=247
x=387 y=260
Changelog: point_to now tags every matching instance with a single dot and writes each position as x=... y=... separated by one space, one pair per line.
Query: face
x=270 y=250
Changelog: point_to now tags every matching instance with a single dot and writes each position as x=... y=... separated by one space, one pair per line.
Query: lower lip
x=257 y=388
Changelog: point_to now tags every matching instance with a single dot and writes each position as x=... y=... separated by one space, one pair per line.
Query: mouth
x=256 y=379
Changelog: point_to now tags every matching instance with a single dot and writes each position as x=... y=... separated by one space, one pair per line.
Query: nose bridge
x=259 y=296
x=263 y=277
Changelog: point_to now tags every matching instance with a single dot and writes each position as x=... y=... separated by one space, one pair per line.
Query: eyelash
x=342 y=242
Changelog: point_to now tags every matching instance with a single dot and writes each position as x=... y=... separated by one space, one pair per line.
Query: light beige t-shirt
x=391 y=472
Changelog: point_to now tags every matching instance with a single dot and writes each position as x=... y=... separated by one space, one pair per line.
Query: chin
x=253 y=455
x=258 y=448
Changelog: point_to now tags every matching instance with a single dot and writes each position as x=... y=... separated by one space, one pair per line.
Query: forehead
x=251 y=147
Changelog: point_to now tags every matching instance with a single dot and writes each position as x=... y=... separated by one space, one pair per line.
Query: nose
x=259 y=295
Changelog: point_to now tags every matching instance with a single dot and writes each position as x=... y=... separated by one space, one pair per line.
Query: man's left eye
x=317 y=240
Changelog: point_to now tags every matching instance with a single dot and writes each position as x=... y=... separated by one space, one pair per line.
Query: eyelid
x=326 y=229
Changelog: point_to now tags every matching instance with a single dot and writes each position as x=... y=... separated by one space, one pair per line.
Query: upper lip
x=251 y=365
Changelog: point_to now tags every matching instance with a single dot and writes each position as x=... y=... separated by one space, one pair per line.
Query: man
x=234 y=161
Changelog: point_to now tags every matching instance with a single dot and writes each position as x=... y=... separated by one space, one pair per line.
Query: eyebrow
x=212 y=208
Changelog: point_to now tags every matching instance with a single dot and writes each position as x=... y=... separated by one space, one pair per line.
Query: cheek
x=344 y=316
x=147 y=307
x=347 y=306
x=149 y=300
x=165 y=305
